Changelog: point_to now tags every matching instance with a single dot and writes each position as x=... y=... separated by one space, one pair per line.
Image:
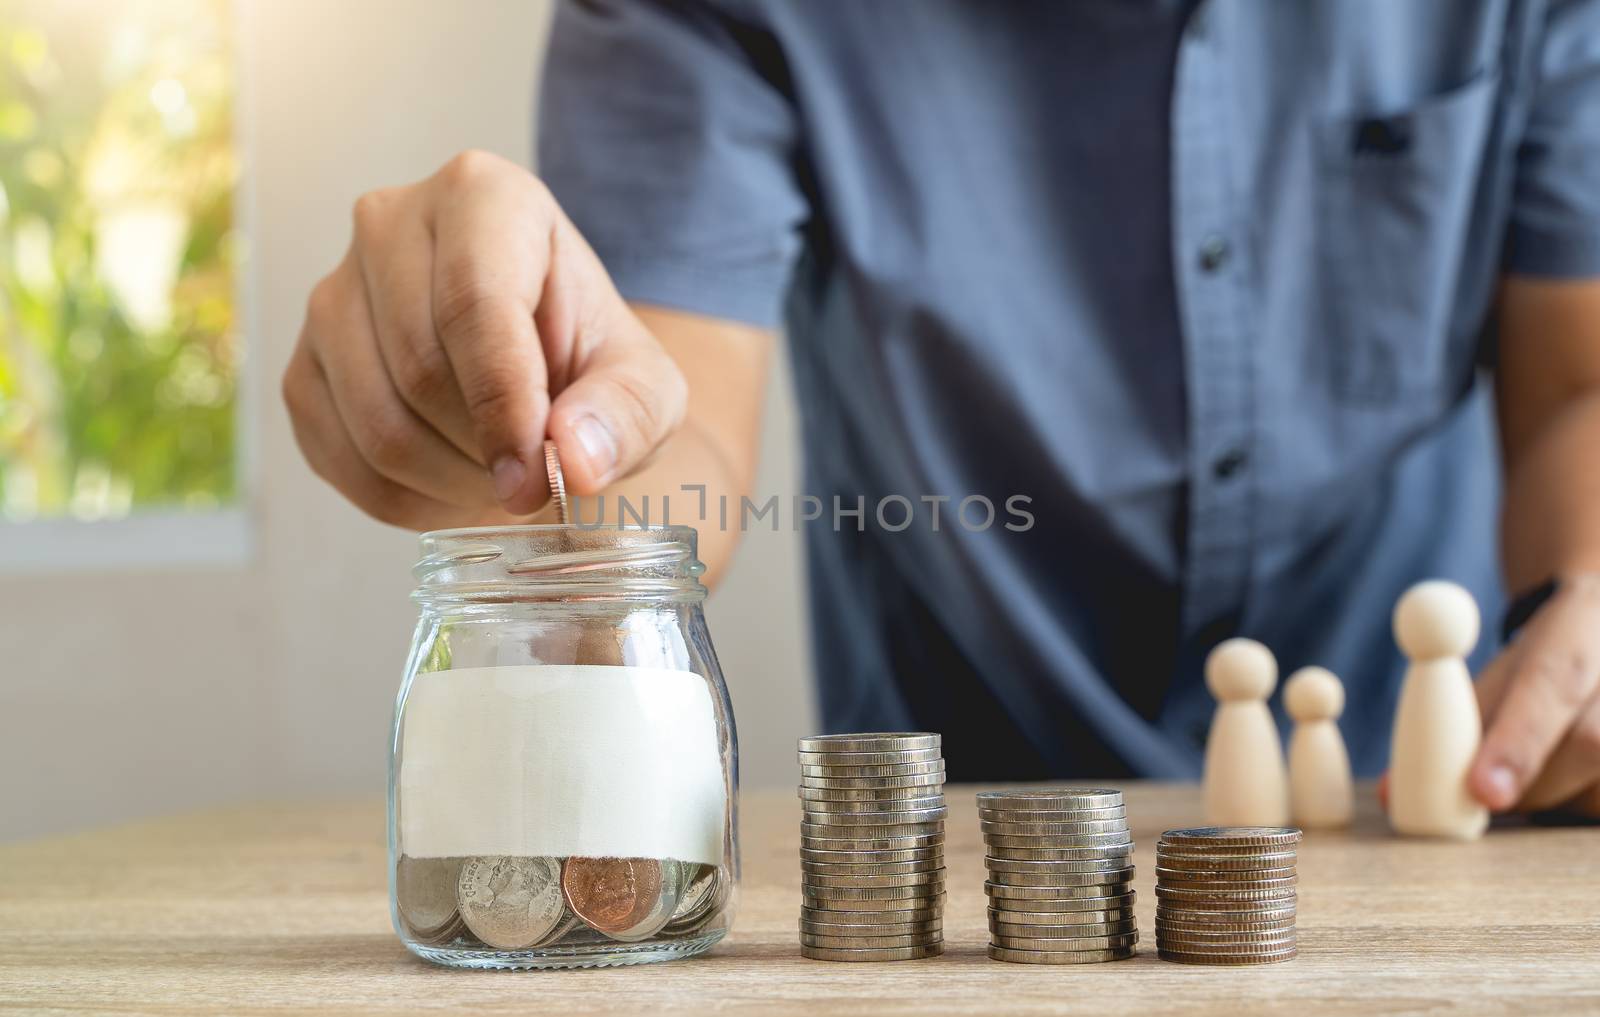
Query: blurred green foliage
x=118 y=335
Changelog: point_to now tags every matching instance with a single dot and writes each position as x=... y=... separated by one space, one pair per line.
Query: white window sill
x=156 y=539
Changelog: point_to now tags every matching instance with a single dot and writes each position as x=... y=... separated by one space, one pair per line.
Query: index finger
x=491 y=251
x=1555 y=672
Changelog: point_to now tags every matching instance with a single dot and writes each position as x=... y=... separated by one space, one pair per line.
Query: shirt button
x=1230 y=462
x=1213 y=253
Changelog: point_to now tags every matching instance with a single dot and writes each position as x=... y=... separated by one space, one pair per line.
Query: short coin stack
x=1060 y=875
x=872 y=847
x=1226 y=895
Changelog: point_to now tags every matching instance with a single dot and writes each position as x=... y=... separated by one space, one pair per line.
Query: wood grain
x=281 y=909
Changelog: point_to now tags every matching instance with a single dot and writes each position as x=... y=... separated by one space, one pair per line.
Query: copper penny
x=612 y=895
x=557 y=480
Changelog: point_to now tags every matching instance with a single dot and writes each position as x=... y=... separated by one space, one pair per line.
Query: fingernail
x=1501 y=784
x=598 y=446
x=508 y=474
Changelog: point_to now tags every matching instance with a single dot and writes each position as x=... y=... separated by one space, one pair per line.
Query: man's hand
x=1541 y=707
x=467 y=321
x=1541 y=746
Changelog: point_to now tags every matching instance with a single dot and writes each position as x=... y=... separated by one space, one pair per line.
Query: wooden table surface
x=281 y=909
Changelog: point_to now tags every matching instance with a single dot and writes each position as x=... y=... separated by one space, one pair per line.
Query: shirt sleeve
x=665 y=136
x=1555 y=214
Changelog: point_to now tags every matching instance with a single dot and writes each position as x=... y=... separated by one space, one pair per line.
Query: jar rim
x=553 y=562
x=528 y=529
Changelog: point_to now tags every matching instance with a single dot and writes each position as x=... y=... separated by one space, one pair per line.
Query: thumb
x=623 y=401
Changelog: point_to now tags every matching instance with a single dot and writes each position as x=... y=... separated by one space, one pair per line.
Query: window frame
x=171 y=536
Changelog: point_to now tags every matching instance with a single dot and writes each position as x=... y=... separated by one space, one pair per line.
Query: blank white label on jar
x=585 y=759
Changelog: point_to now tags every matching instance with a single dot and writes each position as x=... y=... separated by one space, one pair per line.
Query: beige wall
x=151 y=691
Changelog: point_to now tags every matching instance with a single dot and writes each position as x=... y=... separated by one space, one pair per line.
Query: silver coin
x=1038 y=843
x=1059 y=918
x=1095 y=826
x=824 y=772
x=1071 y=816
x=876 y=818
x=875 y=846
x=1233 y=880
x=869 y=758
x=705 y=890
x=1224 y=862
x=1188 y=916
x=884 y=831
x=923 y=928
x=879 y=807
x=931 y=781
x=1219 y=948
x=885 y=923
x=1119 y=853
x=1205 y=940
x=994 y=864
x=823 y=883
x=1232 y=838
x=1119 y=927
x=875 y=741
x=1121 y=900
x=1277 y=898
x=1050 y=798
x=1000 y=891
x=934 y=903
x=1121 y=942
x=1223 y=931
x=871 y=868
x=887 y=796
x=1238 y=960
x=425 y=893
x=929 y=888
x=439 y=936
x=825 y=857
x=891 y=954
x=510 y=903
x=1212 y=905
x=1059 y=956
x=875 y=917
x=1048 y=879
x=868 y=942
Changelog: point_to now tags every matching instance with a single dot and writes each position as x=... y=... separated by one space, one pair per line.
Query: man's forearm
x=1551 y=522
x=1549 y=395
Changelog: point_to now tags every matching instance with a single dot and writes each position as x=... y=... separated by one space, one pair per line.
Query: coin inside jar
x=425 y=892
x=704 y=888
x=511 y=903
x=625 y=898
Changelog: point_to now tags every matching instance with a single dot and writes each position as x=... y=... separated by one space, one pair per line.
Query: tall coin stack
x=872 y=847
x=1226 y=895
x=1060 y=882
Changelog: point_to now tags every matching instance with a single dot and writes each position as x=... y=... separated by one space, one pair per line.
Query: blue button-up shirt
x=1208 y=282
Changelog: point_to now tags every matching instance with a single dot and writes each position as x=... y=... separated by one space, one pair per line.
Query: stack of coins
x=1060 y=883
x=1226 y=895
x=872 y=847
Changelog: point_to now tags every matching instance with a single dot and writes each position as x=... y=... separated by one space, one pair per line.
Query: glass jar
x=563 y=773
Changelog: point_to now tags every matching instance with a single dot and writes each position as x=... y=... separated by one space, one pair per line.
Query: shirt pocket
x=1396 y=201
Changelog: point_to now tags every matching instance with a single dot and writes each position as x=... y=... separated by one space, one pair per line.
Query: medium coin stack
x=872 y=847
x=1060 y=882
x=1226 y=895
